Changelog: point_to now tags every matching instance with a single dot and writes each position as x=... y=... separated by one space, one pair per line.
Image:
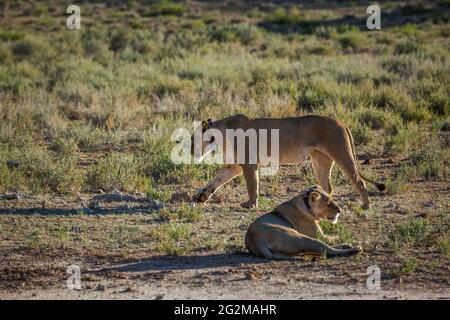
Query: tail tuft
x=381 y=187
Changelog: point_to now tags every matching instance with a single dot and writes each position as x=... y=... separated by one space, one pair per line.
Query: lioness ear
x=314 y=196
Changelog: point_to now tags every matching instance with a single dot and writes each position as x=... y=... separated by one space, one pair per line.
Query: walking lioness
x=325 y=140
x=292 y=228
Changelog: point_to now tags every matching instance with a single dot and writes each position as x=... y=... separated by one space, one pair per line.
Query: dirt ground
x=223 y=276
x=117 y=253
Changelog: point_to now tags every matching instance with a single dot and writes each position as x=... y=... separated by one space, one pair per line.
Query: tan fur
x=325 y=140
x=292 y=229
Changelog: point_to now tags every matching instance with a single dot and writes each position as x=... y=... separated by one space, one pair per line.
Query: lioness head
x=321 y=204
x=206 y=124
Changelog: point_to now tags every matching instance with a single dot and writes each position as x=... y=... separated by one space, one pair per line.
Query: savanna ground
x=87 y=116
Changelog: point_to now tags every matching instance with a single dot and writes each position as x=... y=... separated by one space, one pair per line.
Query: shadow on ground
x=192 y=262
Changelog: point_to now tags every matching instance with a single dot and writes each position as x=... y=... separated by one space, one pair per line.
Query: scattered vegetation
x=95 y=109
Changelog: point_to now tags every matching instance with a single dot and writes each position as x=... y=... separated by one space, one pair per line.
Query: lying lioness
x=292 y=228
x=324 y=139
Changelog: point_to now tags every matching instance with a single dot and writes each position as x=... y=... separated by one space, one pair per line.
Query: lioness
x=324 y=139
x=292 y=228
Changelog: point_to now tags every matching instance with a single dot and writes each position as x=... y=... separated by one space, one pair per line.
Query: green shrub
x=165 y=7
x=119 y=40
x=5 y=54
x=115 y=171
x=403 y=139
x=412 y=232
x=401 y=103
x=322 y=50
x=344 y=235
x=34 y=168
x=172 y=238
x=431 y=164
x=244 y=34
x=11 y=35
x=373 y=118
x=31 y=47
x=362 y=134
x=408 y=47
x=313 y=96
x=403 y=66
x=443 y=244
x=353 y=41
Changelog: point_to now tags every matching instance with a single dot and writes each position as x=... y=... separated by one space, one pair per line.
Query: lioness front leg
x=322 y=166
x=252 y=180
x=224 y=175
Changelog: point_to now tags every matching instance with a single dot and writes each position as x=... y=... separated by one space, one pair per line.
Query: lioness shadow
x=192 y=262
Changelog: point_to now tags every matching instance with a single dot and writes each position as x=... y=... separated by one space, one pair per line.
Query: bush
x=31 y=47
x=322 y=50
x=402 y=139
x=35 y=169
x=401 y=103
x=165 y=7
x=408 y=47
x=412 y=232
x=115 y=171
x=353 y=41
x=5 y=54
x=119 y=40
x=11 y=35
x=244 y=34
x=431 y=164
x=362 y=134
x=373 y=118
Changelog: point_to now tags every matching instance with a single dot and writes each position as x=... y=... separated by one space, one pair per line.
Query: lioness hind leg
x=322 y=165
x=222 y=177
x=269 y=254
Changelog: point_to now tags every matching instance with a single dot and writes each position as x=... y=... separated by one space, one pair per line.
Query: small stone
x=95 y=205
x=181 y=197
x=392 y=161
x=446 y=126
x=100 y=287
x=12 y=164
x=87 y=210
x=250 y=276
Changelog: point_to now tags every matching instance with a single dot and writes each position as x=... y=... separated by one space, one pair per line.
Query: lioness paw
x=343 y=246
x=366 y=206
x=201 y=196
x=250 y=204
x=354 y=250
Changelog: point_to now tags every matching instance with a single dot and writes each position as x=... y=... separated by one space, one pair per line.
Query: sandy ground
x=218 y=277
x=132 y=269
